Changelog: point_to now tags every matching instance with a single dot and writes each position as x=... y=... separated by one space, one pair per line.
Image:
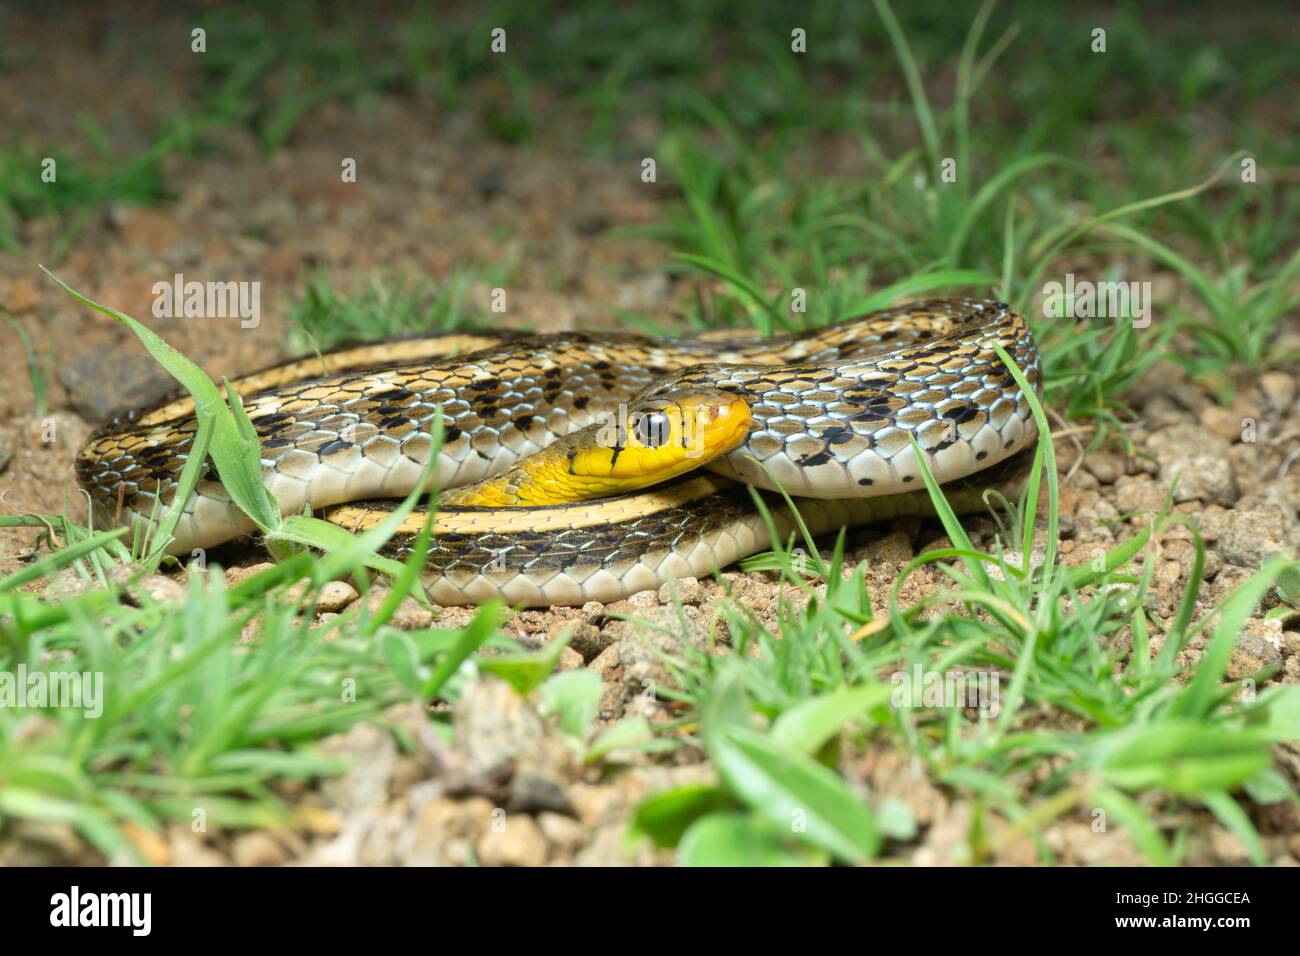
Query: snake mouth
x=722 y=420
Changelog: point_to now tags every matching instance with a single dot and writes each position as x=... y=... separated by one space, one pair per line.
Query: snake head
x=651 y=440
x=647 y=442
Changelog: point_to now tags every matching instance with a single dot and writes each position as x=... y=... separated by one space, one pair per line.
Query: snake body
x=830 y=415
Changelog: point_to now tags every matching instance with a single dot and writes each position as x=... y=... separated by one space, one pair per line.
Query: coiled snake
x=572 y=458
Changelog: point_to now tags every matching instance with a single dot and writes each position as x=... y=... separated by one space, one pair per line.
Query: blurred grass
x=325 y=317
x=1044 y=134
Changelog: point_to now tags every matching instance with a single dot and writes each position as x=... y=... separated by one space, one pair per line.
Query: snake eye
x=652 y=429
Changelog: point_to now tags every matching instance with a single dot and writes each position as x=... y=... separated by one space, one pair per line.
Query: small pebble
x=1105 y=466
x=644 y=599
x=258 y=848
x=335 y=596
x=1279 y=388
x=687 y=590
x=518 y=842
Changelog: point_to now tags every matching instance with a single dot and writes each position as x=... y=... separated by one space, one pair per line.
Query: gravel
x=102 y=385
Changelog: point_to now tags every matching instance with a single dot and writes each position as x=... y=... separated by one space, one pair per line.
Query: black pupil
x=652 y=429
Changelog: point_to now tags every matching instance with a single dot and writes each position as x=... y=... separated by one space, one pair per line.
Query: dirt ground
x=432 y=193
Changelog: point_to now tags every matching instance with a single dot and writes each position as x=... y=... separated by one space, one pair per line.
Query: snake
x=587 y=466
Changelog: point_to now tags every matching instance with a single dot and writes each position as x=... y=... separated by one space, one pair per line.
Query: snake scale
x=586 y=466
